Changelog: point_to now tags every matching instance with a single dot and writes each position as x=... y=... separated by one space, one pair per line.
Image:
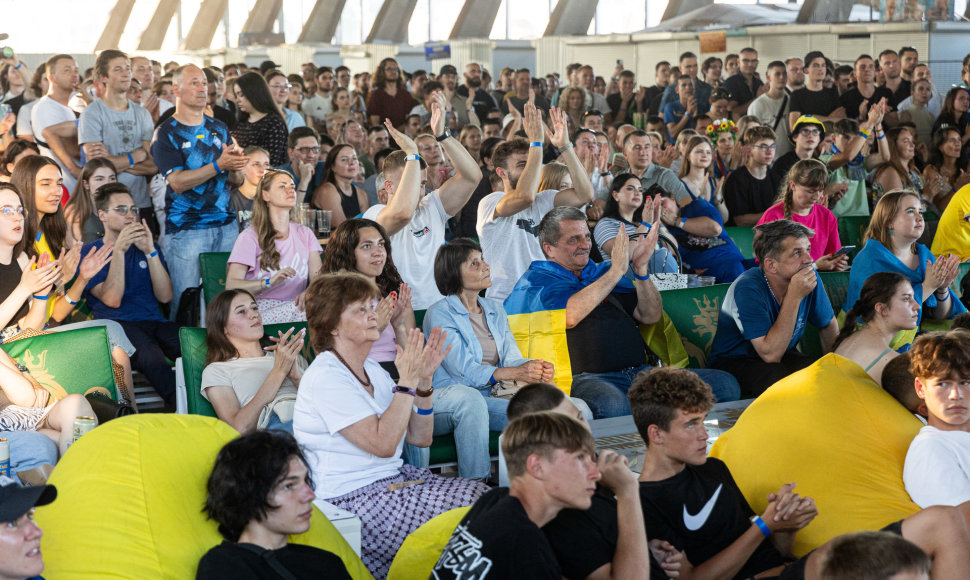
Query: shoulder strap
x=269 y=556
x=781 y=111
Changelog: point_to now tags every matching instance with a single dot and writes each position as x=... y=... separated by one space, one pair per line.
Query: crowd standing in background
x=533 y=221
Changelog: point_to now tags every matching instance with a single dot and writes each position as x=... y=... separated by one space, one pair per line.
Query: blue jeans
x=605 y=393
x=469 y=413
x=29 y=449
x=276 y=424
x=182 y=251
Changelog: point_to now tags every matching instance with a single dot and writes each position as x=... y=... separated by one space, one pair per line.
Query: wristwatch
x=404 y=390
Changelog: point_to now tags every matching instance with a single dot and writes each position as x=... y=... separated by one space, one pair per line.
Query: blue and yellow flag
x=537 y=312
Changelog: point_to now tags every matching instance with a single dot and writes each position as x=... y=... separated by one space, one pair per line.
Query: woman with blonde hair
x=803 y=188
x=471 y=139
x=573 y=103
x=275 y=259
x=555 y=176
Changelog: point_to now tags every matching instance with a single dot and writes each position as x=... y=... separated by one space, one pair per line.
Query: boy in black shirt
x=749 y=190
x=260 y=493
x=694 y=502
x=551 y=466
x=814 y=99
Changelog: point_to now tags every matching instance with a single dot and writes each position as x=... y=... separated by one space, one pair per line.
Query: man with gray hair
x=584 y=317
x=764 y=313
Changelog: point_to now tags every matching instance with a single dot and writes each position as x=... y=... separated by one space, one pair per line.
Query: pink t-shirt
x=820 y=220
x=383 y=349
x=294 y=253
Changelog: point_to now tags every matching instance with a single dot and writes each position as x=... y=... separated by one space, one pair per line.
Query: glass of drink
x=323 y=223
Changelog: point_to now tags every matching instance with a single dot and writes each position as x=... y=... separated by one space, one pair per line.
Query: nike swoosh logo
x=697 y=521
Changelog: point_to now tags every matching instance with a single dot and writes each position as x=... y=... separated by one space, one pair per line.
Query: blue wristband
x=878 y=137
x=765 y=531
x=535 y=144
x=215 y=165
x=491 y=380
x=425 y=411
x=153 y=254
x=268 y=282
x=69 y=301
x=131 y=160
x=412 y=157
x=647 y=277
x=44 y=297
x=682 y=222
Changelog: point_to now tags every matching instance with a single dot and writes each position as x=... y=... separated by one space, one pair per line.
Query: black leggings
x=756 y=375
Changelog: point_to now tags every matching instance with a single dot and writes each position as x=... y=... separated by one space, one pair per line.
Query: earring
x=891 y=232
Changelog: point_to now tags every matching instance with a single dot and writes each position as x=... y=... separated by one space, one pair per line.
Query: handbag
x=106 y=409
x=282 y=405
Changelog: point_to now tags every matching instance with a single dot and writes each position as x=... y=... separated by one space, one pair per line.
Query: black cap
x=448 y=70
x=15 y=501
x=267 y=65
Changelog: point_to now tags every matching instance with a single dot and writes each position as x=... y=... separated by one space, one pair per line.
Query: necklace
x=766 y=282
x=365 y=383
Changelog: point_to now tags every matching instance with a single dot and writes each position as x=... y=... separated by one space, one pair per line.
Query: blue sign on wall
x=433 y=50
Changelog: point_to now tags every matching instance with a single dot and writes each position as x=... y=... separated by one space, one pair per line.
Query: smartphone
x=844 y=251
x=618 y=160
x=619 y=62
x=7 y=52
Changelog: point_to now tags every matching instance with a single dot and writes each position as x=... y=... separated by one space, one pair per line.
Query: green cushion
x=956 y=285
x=73 y=361
x=694 y=312
x=212 y=266
x=743 y=237
x=419 y=318
x=852 y=229
x=194 y=351
x=443 y=448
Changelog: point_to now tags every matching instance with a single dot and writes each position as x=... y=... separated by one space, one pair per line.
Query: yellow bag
x=664 y=340
x=422 y=548
x=839 y=436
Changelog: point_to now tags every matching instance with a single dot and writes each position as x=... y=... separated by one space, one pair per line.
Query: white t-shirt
x=509 y=244
x=415 y=247
x=331 y=398
x=245 y=376
x=937 y=468
x=49 y=112
x=766 y=110
x=317 y=107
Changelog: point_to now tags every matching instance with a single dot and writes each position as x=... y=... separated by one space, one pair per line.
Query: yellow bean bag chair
x=129 y=502
x=422 y=548
x=834 y=432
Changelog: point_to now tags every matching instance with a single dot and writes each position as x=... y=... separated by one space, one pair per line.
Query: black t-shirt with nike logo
x=702 y=511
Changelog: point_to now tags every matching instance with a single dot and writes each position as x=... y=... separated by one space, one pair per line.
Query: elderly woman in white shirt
x=353 y=420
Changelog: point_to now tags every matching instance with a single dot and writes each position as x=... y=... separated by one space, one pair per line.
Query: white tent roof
x=734 y=16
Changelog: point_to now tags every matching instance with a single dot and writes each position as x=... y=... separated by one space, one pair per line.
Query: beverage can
x=82 y=425
x=4 y=457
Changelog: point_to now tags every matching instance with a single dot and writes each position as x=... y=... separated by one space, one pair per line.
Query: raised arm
x=400 y=209
x=582 y=191
x=524 y=194
x=455 y=192
x=873 y=120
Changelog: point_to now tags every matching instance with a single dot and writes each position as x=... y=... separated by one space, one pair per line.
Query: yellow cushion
x=422 y=548
x=129 y=502
x=834 y=432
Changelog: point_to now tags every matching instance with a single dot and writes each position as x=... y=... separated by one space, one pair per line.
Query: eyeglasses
x=809 y=132
x=279 y=87
x=766 y=147
x=126 y=209
x=592 y=113
x=749 y=60
x=308 y=150
x=11 y=212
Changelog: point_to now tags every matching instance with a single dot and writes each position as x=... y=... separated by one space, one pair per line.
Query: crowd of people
x=530 y=217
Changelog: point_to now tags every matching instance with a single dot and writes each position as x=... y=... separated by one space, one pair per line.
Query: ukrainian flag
x=536 y=310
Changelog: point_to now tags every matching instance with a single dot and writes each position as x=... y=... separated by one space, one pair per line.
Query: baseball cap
x=803 y=121
x=15 y=501
x=448 y=70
